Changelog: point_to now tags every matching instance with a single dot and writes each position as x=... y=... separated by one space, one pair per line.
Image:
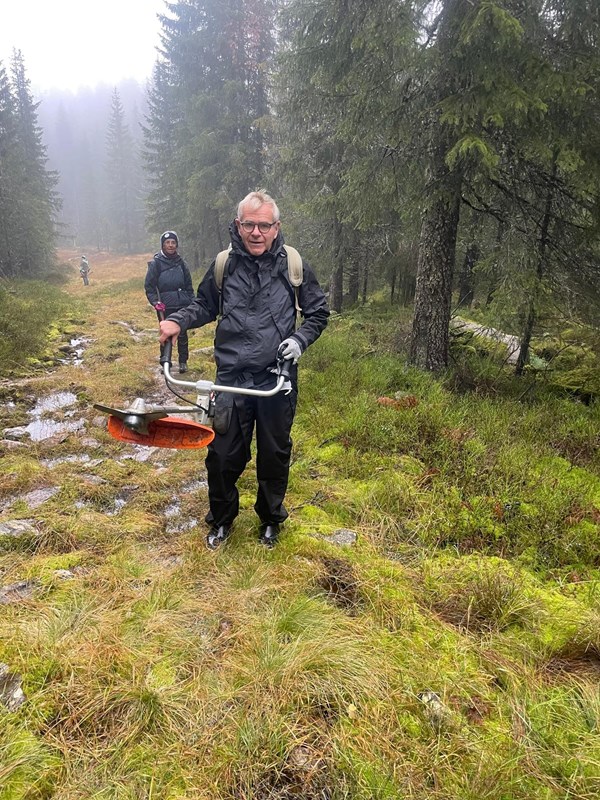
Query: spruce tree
x=165 y=204
x=28 y=203
x=205 y=134
x=39 y=202
x=123 y=198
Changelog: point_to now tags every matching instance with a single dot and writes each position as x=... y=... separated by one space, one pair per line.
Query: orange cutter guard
x=154 y=427
x=175 y=432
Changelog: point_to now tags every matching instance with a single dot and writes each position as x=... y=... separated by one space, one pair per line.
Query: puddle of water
x=81 y=459
x=44 y=429
x=195 y=486
x=180 y=526
x=75 y=351
x=33 y=499
x=119 y=503
x=174 y=510
x=41 y=428
x=175 y=523
x=134 y=332
x=53 y=402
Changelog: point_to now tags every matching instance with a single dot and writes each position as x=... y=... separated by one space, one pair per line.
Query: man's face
x=169 y=247
x=255 y=242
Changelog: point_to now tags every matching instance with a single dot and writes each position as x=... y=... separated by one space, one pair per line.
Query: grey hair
x=255 y=200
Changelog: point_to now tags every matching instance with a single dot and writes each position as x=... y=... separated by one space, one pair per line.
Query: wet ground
x=51 y=420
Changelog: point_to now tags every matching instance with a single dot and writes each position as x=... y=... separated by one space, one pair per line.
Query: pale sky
x=68 y=44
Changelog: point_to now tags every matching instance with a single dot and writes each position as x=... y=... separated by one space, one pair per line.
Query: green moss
x=166 y=670
x=29 y=766
x=315 y=518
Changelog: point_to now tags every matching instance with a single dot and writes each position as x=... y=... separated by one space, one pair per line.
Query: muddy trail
x=355 y=659
x=62 y=471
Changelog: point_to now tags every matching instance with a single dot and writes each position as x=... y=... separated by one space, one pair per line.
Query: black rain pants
x=229 y=452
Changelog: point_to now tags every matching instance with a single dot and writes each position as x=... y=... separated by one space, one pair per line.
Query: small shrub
x=27 y=312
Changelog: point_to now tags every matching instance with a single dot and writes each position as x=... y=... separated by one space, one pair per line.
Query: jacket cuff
x=175 y=318
x=300 y=339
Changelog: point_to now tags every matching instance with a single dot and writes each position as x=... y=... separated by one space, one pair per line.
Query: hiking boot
x=269 y=534
x=182 y=367
x=217 y=535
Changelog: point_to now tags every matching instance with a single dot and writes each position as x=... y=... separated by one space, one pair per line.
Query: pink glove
x=159 y=306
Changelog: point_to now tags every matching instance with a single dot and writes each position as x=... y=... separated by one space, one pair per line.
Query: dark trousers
x=229 y=452
x=183 y=349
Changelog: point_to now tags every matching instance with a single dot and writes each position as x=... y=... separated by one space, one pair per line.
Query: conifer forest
x=428 y=625
x=417 y=148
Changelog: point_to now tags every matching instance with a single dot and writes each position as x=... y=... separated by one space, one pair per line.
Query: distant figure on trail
x=255 y=302
x=84 y=270
x=169 y=287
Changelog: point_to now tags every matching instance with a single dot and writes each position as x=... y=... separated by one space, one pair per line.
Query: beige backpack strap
x=220 y=262
x=295 y=271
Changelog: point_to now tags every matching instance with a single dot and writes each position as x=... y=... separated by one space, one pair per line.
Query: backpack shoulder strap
x=294 y=265
x=295 y=271
x=220 y=262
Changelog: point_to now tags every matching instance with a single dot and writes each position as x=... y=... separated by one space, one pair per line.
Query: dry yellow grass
x=157 y=669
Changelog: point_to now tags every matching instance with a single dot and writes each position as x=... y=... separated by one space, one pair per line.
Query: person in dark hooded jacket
x=257 y=323
x=169 y=287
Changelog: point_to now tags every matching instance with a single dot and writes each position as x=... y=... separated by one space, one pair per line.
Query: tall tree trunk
x=365 y=275
x=353 y=265
x=353 y=280
x=495 y=272
x=435 y=268
x=539 y=274
x=393 y=277
x=437 y=244
x=336 y=281
x=407 y=256
x=466 y=288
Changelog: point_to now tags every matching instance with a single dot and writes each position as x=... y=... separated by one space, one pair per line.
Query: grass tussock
x=451 y=652
x=31 y=313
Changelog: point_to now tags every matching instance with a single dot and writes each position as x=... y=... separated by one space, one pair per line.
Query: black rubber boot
x=269 y=534
x=217 y=535
x=182 y=367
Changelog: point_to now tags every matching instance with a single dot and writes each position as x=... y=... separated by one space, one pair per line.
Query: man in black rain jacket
x=257 y=322
x=169 y=287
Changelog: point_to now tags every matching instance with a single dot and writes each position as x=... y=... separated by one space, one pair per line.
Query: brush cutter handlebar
x=155 y=426
x=166 y=352
x=282 y=372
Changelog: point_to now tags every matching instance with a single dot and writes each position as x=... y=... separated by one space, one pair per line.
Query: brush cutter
x=154 y=426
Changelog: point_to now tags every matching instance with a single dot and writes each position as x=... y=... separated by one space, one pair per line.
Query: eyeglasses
x=263 y=227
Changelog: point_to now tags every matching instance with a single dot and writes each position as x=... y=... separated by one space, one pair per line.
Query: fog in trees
x=443 y=153
x=96 y=179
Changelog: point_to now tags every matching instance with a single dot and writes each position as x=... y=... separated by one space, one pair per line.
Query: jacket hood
x=171 y=262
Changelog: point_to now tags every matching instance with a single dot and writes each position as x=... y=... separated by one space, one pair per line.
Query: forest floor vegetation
x=450 y=649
